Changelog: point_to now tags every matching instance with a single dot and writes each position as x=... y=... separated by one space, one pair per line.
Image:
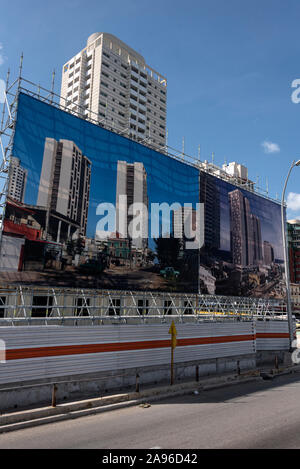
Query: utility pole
x=286 y=264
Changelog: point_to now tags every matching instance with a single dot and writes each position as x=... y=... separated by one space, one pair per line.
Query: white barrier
x=39 y=352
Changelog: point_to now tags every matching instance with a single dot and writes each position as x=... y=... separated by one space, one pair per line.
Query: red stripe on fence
x=61 y=350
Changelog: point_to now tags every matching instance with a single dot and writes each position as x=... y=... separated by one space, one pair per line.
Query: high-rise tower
x=245 y=229
x=109 y=82
x=132 y=183
x=65 y=181
x=17 y=180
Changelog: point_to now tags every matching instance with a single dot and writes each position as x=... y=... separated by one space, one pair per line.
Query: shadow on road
x=234 y=391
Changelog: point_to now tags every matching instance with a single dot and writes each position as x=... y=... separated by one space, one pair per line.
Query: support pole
x=137 y=383
x=52 y=86
x=172 y=365
x=173 y=333
x=20 y=71
x=286 y=264
x=54 y=389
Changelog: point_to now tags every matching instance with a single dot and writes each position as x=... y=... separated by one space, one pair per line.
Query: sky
x=230 y=65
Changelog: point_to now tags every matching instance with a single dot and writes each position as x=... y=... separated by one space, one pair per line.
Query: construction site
x=62 y=304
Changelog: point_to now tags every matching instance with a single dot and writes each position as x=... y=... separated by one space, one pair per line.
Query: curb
x=31 y=418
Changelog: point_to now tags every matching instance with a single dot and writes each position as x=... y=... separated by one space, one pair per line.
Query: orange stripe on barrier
x=273 y=335
x=61 y=350
x=215 y=340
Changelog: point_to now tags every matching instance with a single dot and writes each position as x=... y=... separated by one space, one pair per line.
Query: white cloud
x=293 y=201
x=270 y=147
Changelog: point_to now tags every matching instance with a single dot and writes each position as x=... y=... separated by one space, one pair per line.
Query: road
x=262 y=414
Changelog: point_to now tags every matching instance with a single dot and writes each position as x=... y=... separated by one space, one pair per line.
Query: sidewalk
x=33 y=417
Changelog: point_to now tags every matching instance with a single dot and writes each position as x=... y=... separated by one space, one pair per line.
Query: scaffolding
x=32 y=305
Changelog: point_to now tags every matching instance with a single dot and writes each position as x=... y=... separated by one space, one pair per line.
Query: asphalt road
x=256 y=415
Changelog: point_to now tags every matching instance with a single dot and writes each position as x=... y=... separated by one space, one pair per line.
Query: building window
x=2 y=304
x=82 y=305
x=168 y=307
x=41 y=306
x=143 y=306
x=188 y=307
x=115 y=307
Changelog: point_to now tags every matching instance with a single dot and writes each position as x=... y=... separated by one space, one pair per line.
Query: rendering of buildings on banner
x=243 y=253
x=64 y=189
x=17 y=180
x=65 y=169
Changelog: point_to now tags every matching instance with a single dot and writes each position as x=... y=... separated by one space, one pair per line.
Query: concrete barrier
x=38 y=392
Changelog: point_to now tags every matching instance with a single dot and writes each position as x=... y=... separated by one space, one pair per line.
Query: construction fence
x=43 y=352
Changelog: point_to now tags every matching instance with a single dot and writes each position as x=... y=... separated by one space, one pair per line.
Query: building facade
x=245 y=229
x=184 y=222
x=132 y=183
x=110 y=83
x=17 y=180
x=268 y=253
x=210 y=197
x=65 y=182
x=293 y=232
x=240 y=228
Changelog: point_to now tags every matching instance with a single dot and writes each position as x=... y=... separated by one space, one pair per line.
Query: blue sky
x=229 y=64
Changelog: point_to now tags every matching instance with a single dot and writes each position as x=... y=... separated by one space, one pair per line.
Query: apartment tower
x=65 y=181
x=293 y=232
x=132 y=183
x=17 y=180
x=110 y=83
x=245 y=231
x=268 y=253
x=184 y=222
